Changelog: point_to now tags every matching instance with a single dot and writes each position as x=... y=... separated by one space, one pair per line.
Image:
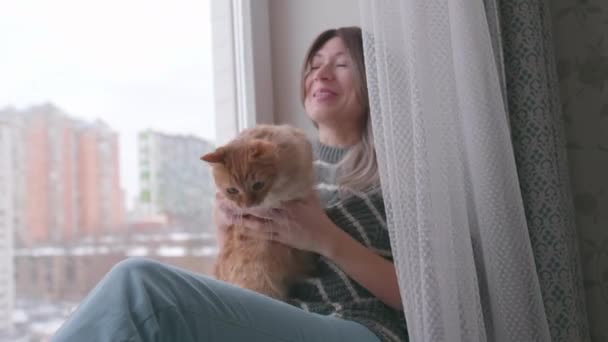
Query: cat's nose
x=247 y=202
x=250 y=202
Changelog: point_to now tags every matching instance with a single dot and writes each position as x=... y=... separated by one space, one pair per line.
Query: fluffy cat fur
x=263 y=167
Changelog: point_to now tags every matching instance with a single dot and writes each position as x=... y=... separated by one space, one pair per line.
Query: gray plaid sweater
x=331 y=291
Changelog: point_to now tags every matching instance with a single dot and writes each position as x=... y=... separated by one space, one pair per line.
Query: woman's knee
x=135 y=268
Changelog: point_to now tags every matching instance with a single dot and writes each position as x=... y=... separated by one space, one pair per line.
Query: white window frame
x=242 y=66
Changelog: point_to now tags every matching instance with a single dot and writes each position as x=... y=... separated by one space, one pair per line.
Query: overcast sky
x=134 y=64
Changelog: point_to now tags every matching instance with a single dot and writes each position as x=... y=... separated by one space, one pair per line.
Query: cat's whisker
x=240 y=213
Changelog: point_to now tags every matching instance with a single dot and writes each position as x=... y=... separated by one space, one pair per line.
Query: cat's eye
x=257 y=186
x=232 y=191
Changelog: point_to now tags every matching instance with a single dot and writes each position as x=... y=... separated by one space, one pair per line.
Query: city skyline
x=195 y=146
x=133 y=74
x=66 y=211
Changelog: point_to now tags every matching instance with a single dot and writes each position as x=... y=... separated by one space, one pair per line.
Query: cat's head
x=246 y=171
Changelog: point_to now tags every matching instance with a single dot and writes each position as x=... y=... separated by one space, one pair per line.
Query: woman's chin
x=324 y=114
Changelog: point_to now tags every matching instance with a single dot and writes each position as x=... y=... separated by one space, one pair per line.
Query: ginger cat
x=260 y=169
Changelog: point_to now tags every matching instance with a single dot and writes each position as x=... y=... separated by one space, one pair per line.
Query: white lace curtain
x=454 y=207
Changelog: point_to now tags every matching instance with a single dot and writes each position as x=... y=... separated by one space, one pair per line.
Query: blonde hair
x=359 y=167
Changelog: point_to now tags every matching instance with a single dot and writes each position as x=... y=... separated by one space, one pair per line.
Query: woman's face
x=331 y=89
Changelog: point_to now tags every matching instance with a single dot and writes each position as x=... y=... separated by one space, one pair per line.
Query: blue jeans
x=143 y=300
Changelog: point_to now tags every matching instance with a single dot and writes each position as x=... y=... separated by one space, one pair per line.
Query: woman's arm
x=369 y=269
x=312 y=230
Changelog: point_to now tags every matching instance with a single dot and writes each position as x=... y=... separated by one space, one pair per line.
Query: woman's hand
x=299 y=224
x=222 y=217
x=304 y=225
x=225 y=214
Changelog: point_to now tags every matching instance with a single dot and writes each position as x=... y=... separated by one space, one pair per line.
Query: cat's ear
x=261 y=149
x=217 y=156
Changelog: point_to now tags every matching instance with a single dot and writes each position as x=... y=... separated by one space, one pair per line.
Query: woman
x=355 y=296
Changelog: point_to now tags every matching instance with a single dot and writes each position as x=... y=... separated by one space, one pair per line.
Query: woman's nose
x=324 y=73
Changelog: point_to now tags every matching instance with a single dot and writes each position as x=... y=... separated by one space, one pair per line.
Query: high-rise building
x=50 y=168
x=100 y=196
x=7 y=222
x=68 y=184
x=173 y=180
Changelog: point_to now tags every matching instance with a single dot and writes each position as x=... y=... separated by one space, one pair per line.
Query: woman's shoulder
x=373 y=195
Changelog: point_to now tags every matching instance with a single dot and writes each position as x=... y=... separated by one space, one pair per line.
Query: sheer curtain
x=456 y=217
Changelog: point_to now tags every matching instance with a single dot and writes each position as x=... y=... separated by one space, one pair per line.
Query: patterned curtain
x=454 y=207
x=469 y=132
x=580 y=33
x=539 y=144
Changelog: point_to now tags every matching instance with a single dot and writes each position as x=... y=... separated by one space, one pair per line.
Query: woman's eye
x=232 y=191
x=314 y=67
x=257 y=186
x=342 y=65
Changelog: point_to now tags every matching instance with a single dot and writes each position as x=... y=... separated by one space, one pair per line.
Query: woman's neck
x=338 y=138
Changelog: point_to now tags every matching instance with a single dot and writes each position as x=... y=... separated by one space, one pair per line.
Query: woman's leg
x=143 y=300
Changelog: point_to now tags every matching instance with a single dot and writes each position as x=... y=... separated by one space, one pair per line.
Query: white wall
x=293 y=26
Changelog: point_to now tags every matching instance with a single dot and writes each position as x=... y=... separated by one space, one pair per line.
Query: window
x=108 y=106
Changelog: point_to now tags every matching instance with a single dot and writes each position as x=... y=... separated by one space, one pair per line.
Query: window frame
x=242 y=66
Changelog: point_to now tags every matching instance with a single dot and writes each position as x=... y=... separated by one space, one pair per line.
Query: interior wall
x=293 y=26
